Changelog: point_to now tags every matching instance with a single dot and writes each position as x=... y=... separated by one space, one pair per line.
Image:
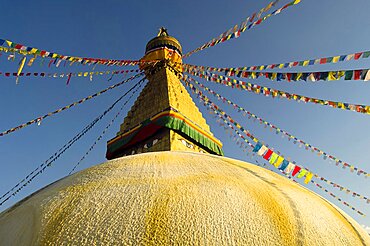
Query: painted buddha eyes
x=150 y=144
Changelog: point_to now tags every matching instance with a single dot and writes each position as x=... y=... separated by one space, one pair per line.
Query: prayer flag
x=302 y=173
x=284 y=165
x=262 y=150
x=289 y=168
x=268 y=154
x=279 y=161
x=273 y=158
x=296 y=170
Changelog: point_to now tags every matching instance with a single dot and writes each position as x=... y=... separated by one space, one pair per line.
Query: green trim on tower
x=150 y=127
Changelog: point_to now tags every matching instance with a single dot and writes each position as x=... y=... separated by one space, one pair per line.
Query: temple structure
x=181 y=192
x=164 y=117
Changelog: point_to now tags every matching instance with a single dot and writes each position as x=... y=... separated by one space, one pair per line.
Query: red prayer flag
x=289 y=77
x=268 y=154
x=69 y=78
x=296 y=170
x=358 y=55
x=322 y=60
x=50 y=62
x=252 y=18
x=357 y=74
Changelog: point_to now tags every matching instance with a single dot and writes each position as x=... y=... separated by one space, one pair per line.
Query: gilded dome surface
x=163 y=40
x=172 y=198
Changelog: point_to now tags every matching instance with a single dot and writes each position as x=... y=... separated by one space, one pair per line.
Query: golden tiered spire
x=164 y=117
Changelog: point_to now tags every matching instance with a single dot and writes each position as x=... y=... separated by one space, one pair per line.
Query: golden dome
x=186 y=198
x=163 y=40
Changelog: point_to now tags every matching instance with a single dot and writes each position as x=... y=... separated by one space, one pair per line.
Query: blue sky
x=121 y=29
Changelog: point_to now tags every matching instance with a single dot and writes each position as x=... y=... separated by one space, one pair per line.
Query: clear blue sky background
x=121 y=29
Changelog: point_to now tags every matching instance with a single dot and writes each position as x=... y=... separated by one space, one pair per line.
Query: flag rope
x=39 y=119
x=106 y=128
x=291 y=177
x=308 y=146
x=275 y=159
x=333 y=75
x=236 y=31
x=266 y=91
x=38 y=170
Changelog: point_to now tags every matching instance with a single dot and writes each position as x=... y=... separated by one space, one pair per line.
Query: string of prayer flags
x=358 y=74
x=337 y=198
x=260 y=148
x=268 y=154
x=62 y=75
x=287 y=171
x=41 y=168
x=106 y=128
x=266 y=91
x=278 y=130
x=236 y=31
x=330 y=193
x=302 y=63
x=284 y=165
x=341 y=188
x=26 y=50
x=38 y=119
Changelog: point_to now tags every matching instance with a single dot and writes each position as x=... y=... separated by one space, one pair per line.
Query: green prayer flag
x=348 y=75
x=366 y=54
x=302 y=173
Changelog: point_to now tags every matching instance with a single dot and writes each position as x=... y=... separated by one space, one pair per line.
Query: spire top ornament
x=162 y=32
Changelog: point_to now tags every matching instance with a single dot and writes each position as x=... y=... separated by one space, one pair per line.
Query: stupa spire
x=162 y=32
x=164 y=116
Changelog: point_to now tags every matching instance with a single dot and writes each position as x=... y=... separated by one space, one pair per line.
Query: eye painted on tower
x=150 y=144
x=187 y=144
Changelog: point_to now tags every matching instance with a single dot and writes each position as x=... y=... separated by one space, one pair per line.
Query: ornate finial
x=162 y=32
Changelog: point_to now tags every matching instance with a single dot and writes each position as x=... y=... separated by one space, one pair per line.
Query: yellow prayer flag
x=305 y=63
x=331 y=76
x=279 y=161
x=33 y=50
x=308 y=177
x=302 y=173
x=335 y=59
x=340 y=74
x=297 y=1
x=31 y=61
x=273 y=158
x=21 y=65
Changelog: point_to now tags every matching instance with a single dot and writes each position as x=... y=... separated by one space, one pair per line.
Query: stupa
x=167 y=183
